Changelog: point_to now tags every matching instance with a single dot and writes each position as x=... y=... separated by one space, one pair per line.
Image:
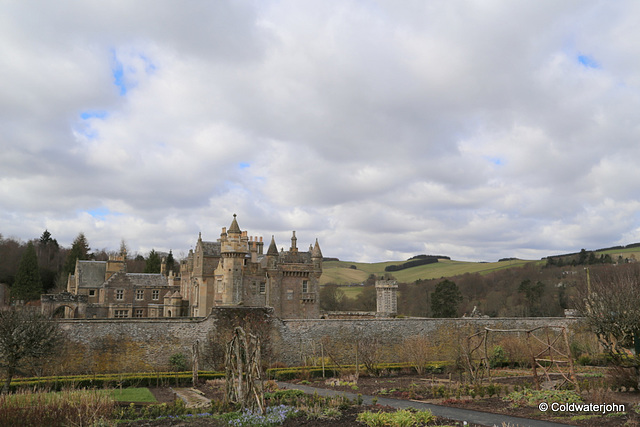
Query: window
x=119 y=294
x=121 y=313
x=139 y=312
x=139 y=294
x=155 y=294
x=92 y=292
x=263 y=288
x=305 y=286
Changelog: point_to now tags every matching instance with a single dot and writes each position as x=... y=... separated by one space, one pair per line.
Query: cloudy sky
x=474 y=129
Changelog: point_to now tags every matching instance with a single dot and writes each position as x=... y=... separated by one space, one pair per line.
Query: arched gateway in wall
x=75 y=305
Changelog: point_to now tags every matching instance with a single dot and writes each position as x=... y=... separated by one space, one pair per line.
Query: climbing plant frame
x=243 y=375
x=549 y=354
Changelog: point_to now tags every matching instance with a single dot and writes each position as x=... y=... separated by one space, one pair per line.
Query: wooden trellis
x=243 y=373
x=551 y=360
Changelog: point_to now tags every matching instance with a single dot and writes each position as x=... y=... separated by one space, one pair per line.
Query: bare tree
x=25 y=335
x=610 y=303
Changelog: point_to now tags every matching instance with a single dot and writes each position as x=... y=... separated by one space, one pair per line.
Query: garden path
x=458 y=414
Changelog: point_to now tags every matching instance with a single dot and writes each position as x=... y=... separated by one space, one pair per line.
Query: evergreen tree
x=48 y=250
x=533 y=295
x=170 y=262
x=79 y=250
x=28 y=285
x=153 y=262
x=445 y=299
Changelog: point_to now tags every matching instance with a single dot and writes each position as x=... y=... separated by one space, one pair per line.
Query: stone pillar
x=387 y=298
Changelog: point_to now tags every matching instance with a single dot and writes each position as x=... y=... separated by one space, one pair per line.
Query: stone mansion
x=234 y=270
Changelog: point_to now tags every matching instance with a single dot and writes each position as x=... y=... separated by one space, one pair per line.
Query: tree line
x=42 y=265
x=530 y=290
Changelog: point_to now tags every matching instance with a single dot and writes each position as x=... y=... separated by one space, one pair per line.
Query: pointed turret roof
x=316 y=253
x=234 y=228
x=273 y=249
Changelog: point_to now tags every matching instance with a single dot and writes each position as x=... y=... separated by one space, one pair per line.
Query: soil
x=409 y=387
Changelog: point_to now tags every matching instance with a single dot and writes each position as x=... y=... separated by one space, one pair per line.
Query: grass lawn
x=133 y=395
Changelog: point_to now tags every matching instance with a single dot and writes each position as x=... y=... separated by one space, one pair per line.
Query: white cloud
x=475 y=130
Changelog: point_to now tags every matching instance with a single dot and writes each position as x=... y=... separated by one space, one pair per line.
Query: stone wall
x=149 y=343
x=303 y=337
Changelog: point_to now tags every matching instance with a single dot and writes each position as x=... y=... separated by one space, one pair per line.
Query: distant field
x=340 y=272
x=626 y=253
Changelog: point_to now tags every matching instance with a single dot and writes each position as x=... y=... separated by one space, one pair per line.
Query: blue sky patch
x=93 y=114
x=244 y=165
x=117 y=70
x=588 y=61
x=99 y=213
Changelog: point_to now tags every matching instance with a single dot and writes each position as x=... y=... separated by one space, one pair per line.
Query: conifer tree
x=170 y=262
x=28 y=285
x=445 y=299
x=79 y=250
x=153 y=262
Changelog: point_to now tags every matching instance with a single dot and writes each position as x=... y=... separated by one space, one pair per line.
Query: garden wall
x=147 y=344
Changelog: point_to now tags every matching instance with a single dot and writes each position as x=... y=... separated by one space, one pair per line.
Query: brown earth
x=409 y=387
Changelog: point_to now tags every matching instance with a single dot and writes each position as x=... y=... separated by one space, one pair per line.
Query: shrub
x=498 y=357
x=399 y=418
x=178 y=362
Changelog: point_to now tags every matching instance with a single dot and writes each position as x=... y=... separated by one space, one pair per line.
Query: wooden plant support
x=243 y=372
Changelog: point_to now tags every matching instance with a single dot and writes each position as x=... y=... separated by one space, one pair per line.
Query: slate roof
x=273 y=249
x=211 y=248
x=147 y=279
x=91 y=273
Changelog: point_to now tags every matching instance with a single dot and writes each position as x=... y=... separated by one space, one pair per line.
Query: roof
x=147 y=279
x=211 y=248
x=273 y=249
x=234 y=228
x=316 y=252
x=91 y=274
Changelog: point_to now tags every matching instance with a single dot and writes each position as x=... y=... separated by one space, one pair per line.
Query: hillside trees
x=445 y=299
x=28 y=285
x=10 y=253
x=331 y=297
x=533 y=294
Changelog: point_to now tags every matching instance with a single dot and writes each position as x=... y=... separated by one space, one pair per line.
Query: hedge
x=285 y=374
x=157 y=379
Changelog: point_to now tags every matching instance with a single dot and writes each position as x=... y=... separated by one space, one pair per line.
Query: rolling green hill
x=341 y=272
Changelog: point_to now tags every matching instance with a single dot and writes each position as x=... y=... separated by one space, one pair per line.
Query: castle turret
x=234 y=248
x=294 y=243
x=272 y=253
x=316 y=256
